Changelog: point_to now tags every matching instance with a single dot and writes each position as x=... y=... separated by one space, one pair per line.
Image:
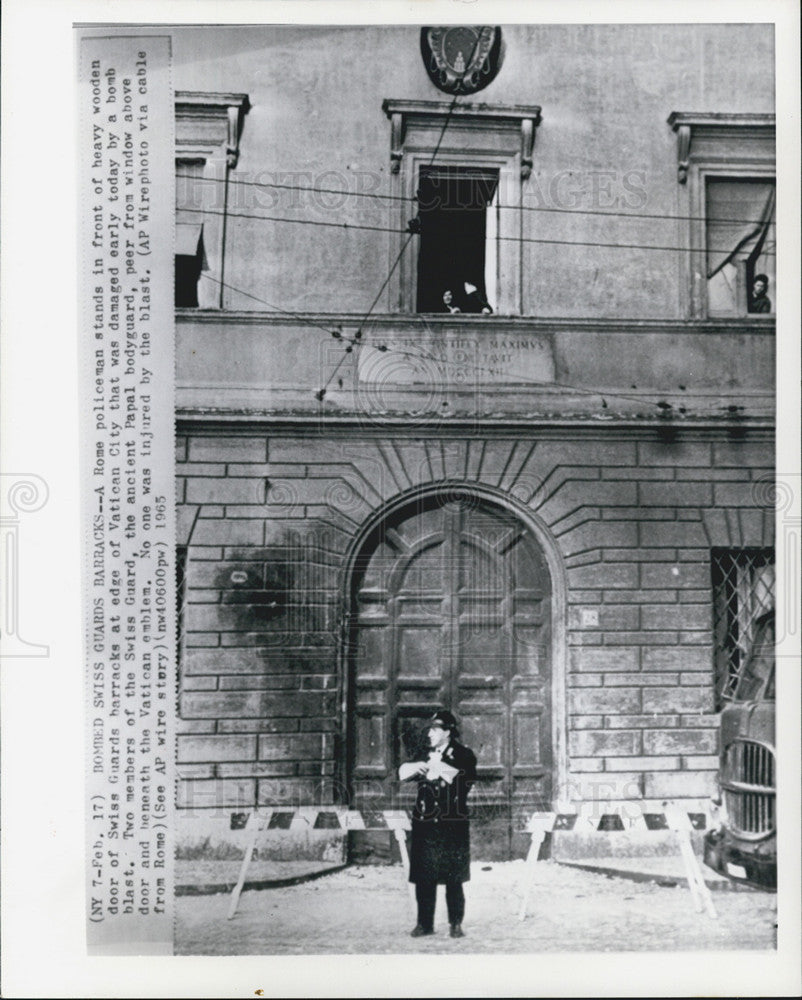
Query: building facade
x=549 y=511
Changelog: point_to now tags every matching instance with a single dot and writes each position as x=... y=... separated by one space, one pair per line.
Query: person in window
x=759 y=302
x=448 y=302
x=474 y=301
x=440 y=851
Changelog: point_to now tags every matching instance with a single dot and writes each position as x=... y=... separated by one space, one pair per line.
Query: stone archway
x=451 y=605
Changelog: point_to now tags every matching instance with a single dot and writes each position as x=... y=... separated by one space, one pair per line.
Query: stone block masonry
x=268 y=519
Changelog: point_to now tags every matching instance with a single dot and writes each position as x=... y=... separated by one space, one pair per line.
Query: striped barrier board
x=587 y=818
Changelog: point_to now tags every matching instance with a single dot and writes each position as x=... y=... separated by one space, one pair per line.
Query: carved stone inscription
x=459 y=359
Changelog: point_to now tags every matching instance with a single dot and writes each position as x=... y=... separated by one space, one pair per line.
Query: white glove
x=412 y=769
x=439 y=769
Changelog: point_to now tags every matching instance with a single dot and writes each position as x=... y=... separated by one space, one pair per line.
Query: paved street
x=367 y=911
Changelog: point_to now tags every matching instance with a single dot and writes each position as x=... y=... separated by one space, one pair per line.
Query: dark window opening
x=190 y=254
x=454 y=205
x=743 y=591
x=190 y=260
x=187 y=275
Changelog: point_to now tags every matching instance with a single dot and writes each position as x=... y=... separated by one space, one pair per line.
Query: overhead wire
x=509 y=239
x=660 y=216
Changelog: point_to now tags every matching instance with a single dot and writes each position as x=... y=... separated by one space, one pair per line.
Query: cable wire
x=524 y=208
x=508 y=239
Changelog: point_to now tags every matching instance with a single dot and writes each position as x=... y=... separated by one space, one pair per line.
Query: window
x=725 y=171
x=190 y=260
x=457 y=207
x=741 y=241
x=208 y=127
x=743 y=591
x=452 y=167
x=190 y=254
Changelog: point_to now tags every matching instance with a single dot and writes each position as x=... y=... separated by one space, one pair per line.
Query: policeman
x=440 y=833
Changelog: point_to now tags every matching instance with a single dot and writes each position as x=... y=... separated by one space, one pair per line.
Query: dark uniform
x=440 y=852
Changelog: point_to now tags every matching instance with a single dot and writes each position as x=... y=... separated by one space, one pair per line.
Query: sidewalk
x=667 y=872
x=203 y=877
x=368 y=910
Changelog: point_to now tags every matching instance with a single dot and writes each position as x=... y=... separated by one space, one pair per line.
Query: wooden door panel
x=451 y=608
x=526 y=739
x=484 y=733
x=372 y=658
x=371 y=741
x=478 y=653
x=420 y=608
x=421 y=697
x=419 y=652
x=372 y=698
x=531 y=661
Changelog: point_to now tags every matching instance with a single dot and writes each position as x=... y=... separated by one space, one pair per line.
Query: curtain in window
x=189 y=191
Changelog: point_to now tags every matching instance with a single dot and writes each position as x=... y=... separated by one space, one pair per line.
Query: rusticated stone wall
x=267 y=520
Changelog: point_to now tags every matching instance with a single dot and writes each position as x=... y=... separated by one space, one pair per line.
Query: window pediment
x=511 y=124
x=208 y=125
x=707 y=136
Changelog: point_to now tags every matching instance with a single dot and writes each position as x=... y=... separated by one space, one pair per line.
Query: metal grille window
x=743 y=589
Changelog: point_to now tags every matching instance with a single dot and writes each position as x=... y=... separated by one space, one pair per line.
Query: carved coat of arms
x=461 y=59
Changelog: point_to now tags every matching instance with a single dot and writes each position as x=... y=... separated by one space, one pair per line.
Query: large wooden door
x=451 y=603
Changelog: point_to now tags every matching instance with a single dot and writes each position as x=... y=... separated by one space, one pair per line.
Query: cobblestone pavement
x=368 y=911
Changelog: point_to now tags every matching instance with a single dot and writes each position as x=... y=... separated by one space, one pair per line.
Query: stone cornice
x=753 y=324
x=716 y=119
x=463 y=109
x=208 y=98
x=313 y=425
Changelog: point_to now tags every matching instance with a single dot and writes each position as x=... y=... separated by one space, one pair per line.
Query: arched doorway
x=450 y=605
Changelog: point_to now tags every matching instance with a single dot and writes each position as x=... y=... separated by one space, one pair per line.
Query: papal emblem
x=461 y=59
